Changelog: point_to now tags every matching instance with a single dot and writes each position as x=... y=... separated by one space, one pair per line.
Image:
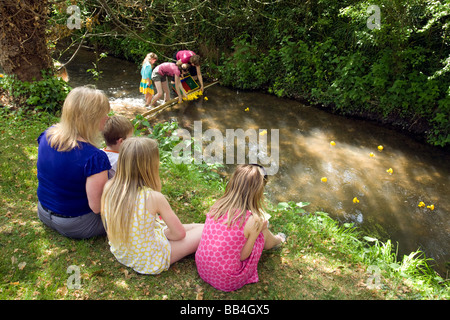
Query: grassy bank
x=320 y=261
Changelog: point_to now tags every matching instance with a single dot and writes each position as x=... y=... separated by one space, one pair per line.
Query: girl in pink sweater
x=236 y=232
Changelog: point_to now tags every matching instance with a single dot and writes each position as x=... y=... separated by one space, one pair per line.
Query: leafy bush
x=45 y=95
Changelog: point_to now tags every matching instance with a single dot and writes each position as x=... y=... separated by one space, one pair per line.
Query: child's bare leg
x=148 y=98
x=158 y=94
x=165 y=87
x=270 y=240
x=188 y=245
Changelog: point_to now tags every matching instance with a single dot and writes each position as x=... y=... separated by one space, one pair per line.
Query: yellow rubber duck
x=193 y=96
x=355 y=200
x=431 y=207
x=246 y=109
x=205 y=98
x=323 y=179
x=421 y=204
x=371 y=154
x=264 y=132
x=332 y=143
x=390 y=171
x=380 y=148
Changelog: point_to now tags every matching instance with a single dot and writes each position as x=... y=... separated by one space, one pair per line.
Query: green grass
x=321 y=260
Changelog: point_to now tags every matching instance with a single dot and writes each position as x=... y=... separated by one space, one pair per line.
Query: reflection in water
x=387 y=201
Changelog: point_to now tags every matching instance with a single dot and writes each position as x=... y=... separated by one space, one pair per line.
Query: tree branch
x=127 y=30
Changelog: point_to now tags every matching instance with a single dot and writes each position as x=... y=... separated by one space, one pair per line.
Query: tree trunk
x=23 y=49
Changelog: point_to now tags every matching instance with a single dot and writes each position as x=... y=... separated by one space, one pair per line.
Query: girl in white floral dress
x=132 y=203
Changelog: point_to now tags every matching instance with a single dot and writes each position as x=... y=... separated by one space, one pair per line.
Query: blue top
x=62 y=176
x=146 y=71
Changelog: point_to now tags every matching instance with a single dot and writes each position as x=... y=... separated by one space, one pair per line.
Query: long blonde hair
x=82 y=111
x=137 y=168
x=244 y=191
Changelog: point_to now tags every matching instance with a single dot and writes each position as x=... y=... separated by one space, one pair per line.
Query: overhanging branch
x=129 y=31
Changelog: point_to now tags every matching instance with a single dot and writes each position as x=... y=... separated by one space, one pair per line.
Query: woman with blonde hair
x=71 y=169
x=236 y=232
x=143 y=231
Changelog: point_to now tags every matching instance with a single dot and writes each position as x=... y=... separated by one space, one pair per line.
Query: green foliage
x=243 y=70
x=95 y=71
x=126 y=48
x=440 y=134
x=397 y=74
x=45 y=95
x=163 y=133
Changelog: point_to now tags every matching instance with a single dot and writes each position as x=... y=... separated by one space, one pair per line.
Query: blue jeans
x=82 y=227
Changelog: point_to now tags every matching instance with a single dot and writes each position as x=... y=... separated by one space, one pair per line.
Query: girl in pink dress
x=235 y=232
x=160 y=76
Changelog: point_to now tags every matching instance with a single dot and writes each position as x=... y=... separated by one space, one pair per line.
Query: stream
x=354 y=167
